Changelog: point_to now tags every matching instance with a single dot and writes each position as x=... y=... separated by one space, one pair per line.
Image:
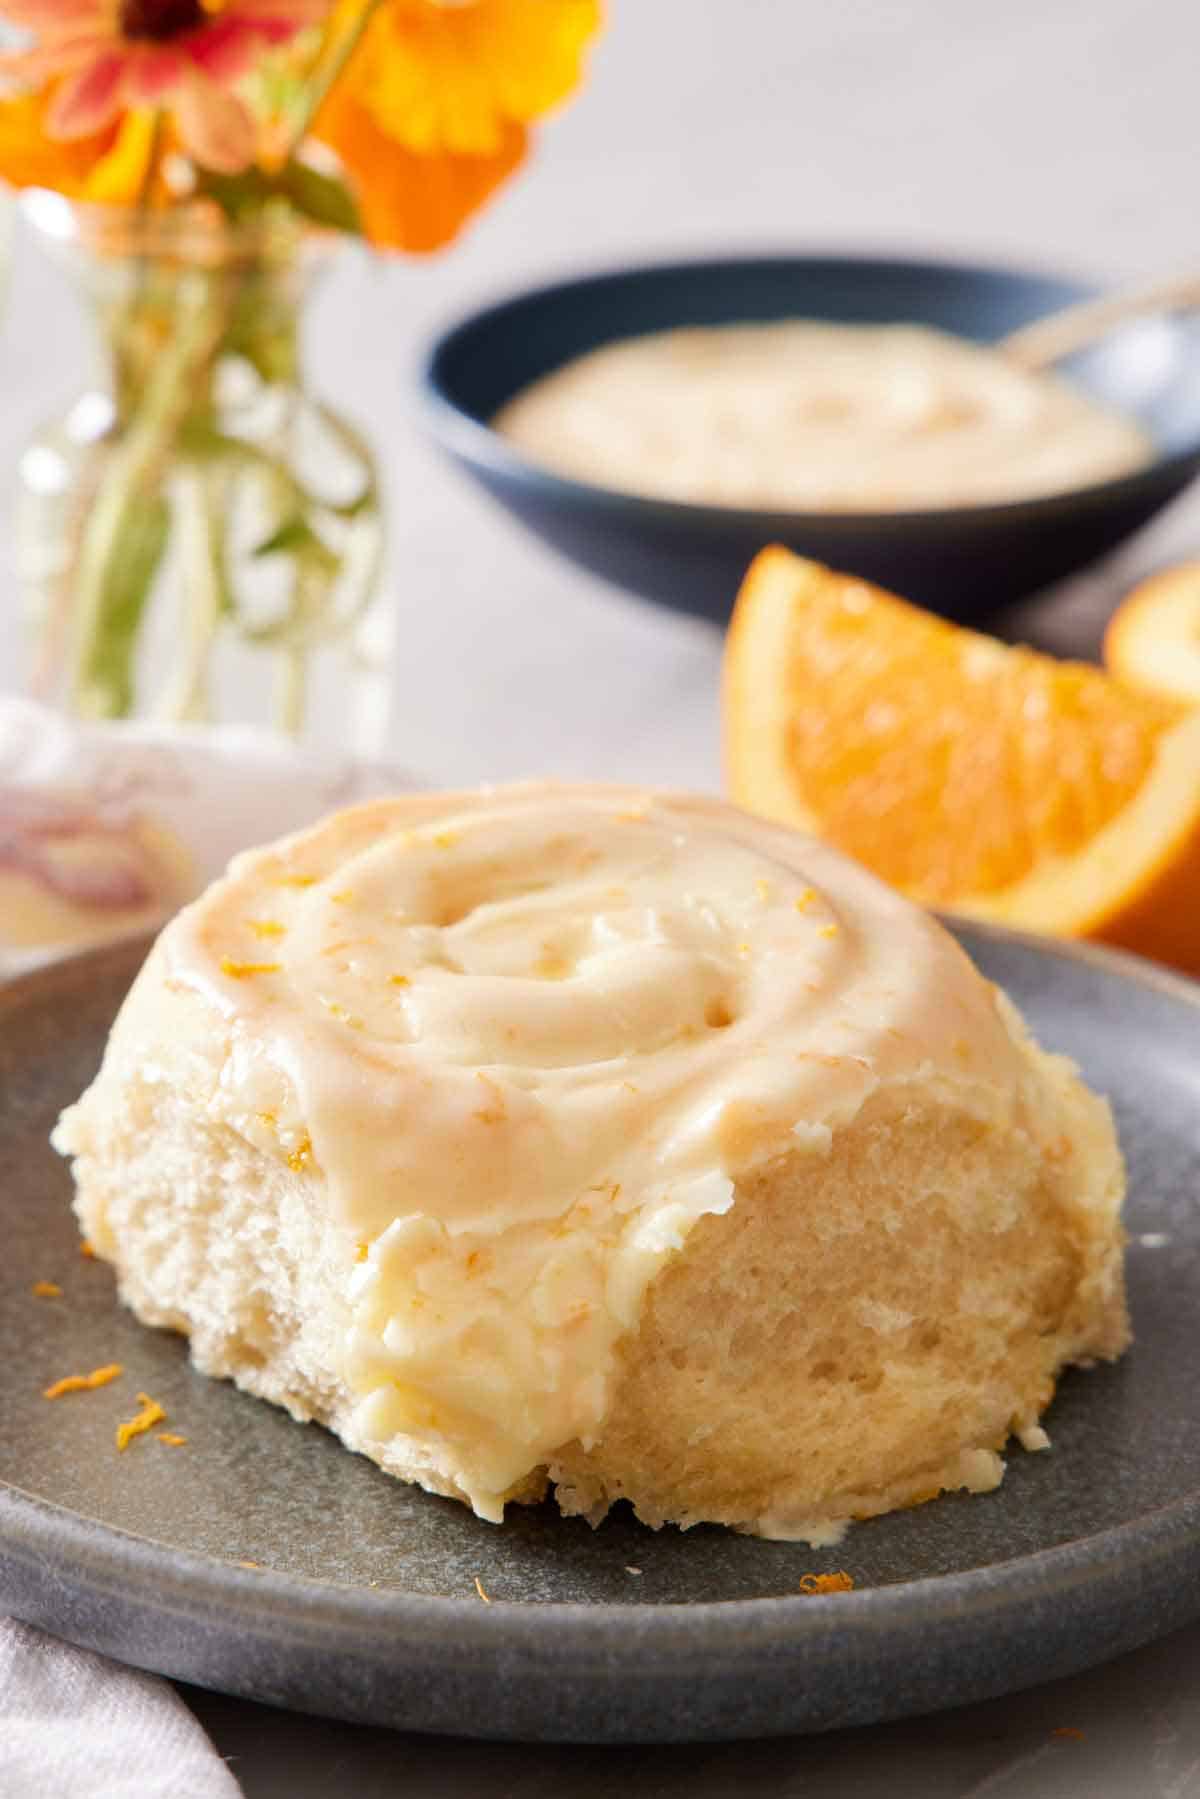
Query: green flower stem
x=330 y=65
x=292 y=689
x=108 y=601
x=314 y=573
x=198 y=513
x=207 y=491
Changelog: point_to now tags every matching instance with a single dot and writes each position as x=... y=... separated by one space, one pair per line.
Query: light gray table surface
x=1061 y=135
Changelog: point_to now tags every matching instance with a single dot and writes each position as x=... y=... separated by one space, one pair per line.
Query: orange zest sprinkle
x=267 y=927
x=84 y=1383
x=398 y=980
x=150 y=1415
x=240 y=971
x=172 y=1437
x=479 y=1589
x=361 y=1251
x=87 y=1249
x=301 y=1156
x=837 y=1582
x=445 y=840
x=828 y=930
x=46 y=1290
x=296 y=881
x=344 y=897
x=806 y=899
x=350 y=1019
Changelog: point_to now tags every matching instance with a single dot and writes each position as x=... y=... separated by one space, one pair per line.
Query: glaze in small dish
x=961 y=560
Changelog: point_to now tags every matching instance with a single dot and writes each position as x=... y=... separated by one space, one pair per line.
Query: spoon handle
x=1048 y=340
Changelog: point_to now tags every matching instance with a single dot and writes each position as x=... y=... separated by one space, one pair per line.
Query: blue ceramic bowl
x=961 y=561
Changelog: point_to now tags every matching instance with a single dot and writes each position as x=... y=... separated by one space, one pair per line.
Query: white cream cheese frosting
x=799 y=413
x=522 y=1040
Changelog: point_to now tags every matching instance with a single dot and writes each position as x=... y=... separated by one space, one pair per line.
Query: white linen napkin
x=74 y=1725
x=104 y=830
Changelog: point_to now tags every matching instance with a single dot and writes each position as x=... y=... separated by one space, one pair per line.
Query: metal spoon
x=1061 y=334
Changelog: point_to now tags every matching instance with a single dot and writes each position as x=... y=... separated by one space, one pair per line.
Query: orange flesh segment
x=990 y=780
x=947 y=762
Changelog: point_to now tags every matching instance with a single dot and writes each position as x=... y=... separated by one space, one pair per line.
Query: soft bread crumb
x=750 y=1341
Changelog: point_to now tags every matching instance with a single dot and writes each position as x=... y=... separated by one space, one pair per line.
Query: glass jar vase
x=198 y=537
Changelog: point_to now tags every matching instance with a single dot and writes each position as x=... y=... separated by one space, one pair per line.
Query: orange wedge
x=1153 y=638
x=992 y=781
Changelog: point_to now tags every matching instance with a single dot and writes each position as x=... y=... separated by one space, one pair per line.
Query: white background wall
x=1060 y=132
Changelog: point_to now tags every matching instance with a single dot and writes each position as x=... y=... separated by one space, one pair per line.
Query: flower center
x=159 y=20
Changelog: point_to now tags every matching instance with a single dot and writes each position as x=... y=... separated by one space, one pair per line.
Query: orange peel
x=989 y=780
x=1153 y=638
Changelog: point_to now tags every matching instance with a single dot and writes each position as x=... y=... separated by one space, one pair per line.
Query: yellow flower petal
x=117 y=179
x=407 y=201
x=29 y=158
x=456 y=78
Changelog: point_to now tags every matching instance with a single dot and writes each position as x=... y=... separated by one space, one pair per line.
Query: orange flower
x=430 y=114
x=29 y=158
x=107 y=57
x=408 y=201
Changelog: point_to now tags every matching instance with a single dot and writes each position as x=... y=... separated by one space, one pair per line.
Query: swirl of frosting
x=524 y=1039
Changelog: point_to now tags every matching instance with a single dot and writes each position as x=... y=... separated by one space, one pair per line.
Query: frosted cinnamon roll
x=608 y=1141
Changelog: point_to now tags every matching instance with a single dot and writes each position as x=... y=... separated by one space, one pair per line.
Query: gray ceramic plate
x=363 y=1603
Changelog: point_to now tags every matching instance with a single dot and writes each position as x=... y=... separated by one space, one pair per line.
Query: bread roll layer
x=608 y=1140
